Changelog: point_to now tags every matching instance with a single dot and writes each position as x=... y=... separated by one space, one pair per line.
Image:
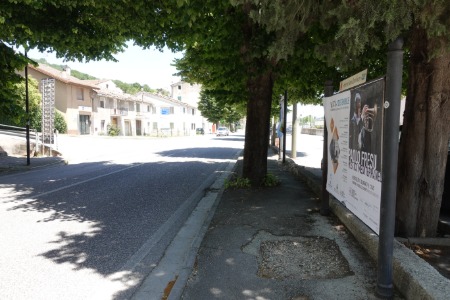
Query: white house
x=93 y=106
x=190 y=94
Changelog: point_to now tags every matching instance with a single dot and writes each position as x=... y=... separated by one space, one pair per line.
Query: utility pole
x=325 y=208
x=385 y=286
x=27 y=111
x=294 y=131
x=284 y=125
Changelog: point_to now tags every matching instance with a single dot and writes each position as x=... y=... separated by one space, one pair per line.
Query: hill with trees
x=129 y=88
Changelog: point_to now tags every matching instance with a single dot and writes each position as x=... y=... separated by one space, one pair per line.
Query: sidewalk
x=272 y=243
x=10 y=164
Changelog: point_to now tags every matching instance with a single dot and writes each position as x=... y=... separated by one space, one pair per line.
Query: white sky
x=149 y=66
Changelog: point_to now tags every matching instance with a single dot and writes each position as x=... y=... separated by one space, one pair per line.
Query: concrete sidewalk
x=9 y=164
x=272 y=243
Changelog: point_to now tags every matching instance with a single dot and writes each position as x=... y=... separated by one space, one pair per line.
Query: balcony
x=119 y=111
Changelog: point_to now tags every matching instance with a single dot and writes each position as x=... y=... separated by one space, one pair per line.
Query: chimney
x=66 y=70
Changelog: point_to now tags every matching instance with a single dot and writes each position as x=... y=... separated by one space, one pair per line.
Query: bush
x=113 y=130
x=237 y=183
x=60 y=124
x=271 y=180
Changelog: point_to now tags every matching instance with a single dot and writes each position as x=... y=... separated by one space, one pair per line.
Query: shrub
x=237 y=183
x=60 y=124
x=113 y=130
x=271 y=180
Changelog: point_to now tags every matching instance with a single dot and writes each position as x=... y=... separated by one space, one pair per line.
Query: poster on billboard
x=355 y=125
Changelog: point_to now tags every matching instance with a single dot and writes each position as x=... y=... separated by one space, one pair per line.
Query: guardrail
x=35 y=136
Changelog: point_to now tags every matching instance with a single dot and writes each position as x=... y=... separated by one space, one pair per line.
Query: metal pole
x=325 y=208
x=294 y=131
x=27 y=126
x=284 y=125
x=385 y=287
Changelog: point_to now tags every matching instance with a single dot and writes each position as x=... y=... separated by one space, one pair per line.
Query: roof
x=164 y=99
x=112 y=94
x=62 y=76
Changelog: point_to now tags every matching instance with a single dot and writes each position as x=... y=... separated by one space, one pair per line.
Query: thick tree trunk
x=257 y=128
x=424 y=141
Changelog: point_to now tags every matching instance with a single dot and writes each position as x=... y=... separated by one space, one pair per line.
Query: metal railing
x=35 y=136
x=119 y=111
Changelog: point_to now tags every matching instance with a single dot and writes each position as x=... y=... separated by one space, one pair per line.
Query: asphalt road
x=93 y=229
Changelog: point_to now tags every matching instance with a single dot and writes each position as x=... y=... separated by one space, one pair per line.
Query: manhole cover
x=303 y=258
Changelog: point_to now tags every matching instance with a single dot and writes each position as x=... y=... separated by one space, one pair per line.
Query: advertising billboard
x=355 y=125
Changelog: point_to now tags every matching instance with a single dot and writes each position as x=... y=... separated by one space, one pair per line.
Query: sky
x=150 y=66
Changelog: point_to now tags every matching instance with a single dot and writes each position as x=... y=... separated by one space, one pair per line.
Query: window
x=184 y=110
x=138 y=107
x=154 y=110
x=102 y=125
x=148 y=108
x=172 y=125
x=131 y=106
x=165 y=110
x=179 y=98
x=193 y=111
x=102 y=103
x=179 y=87
x=155 y=125
x=80 y=94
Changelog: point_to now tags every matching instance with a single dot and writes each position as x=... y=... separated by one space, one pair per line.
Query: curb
x=168 y=280
x=413 y=277
x=14 y=167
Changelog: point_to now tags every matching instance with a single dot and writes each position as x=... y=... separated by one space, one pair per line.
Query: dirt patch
x=436 y=256
x=306 y=258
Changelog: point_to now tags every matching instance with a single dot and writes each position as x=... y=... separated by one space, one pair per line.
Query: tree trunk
x=257 y=128
x=424 y=141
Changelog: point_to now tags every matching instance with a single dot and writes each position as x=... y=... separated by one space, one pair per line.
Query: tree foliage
x=134 y=88
x=217 y=111
x=369 y=25
x=254 y=50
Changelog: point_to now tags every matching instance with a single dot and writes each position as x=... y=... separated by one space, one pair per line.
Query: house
x=114 y=108
x=168 y=116
x=73 y=97
x=93 y=106
x=190 y=94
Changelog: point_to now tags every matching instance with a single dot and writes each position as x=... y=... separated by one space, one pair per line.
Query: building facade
x=190 y=94
x=95 y=106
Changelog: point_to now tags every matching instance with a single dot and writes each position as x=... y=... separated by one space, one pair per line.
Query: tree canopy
x=253 y=49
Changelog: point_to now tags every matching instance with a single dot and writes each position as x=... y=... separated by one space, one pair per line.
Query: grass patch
x=271 y=180
x=236 y=182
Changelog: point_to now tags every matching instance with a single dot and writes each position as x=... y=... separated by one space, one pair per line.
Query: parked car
x=222 y=131
x=199 y=131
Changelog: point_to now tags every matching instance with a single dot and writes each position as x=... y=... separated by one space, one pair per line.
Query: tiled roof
x=62 y=76
x=165 y=99
x=116 y=95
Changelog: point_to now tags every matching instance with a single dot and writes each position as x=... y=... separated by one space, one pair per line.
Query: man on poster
x=364 y=138
x=356 y=122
